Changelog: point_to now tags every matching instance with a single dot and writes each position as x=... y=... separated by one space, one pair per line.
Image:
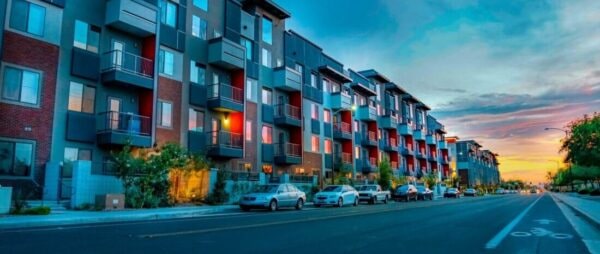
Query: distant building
x=475 y=166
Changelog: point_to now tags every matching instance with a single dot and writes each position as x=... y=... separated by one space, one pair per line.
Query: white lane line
x=494 y=242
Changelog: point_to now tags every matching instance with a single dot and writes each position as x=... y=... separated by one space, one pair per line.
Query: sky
x=495 y=71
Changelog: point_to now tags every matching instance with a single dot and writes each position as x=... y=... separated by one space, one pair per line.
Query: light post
x=352 y=109
x=566 y=136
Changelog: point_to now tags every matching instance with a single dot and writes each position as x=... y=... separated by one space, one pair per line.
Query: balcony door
x=114 y=109
x=117 y=54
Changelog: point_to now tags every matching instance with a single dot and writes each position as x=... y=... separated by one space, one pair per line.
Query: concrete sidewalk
x=88 y=217
x=590 y=209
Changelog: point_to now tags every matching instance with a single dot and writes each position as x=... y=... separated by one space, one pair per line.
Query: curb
x=583 y=214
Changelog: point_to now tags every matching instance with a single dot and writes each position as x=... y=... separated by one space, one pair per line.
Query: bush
x=218 y=194
x=42 y=210
x=584 y=191
x=595 y=192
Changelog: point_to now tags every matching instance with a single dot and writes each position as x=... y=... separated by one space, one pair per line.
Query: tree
x=385 y=174
x=583 y=143
x=430 y=180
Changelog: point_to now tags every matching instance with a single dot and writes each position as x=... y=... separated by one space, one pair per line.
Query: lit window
x=327 y=116
x=198 y=27
x=166 y=62
x=202 y=4
x=27 y=17
x=81 y=98
x=328 y=147
x=197 y=73
x=357 y=152
x=248 y=130
x=266 y=58
x=267 y=168
x=21 y=86
x=251 y=89
x=314 y=141
x=168 y=13
x=267 y=134
x=247 y=44
x=267 y=31
x=165 y=110
x=196 y=120
x=356 y=126
x=315 y=111
x=86 y=37
x=267 y=96
x=16 y=159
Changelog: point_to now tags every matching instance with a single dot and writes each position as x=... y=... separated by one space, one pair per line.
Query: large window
x=267 y=30
x=328 y=146
x=313 y=80
x=357 y=152
x=327 y=116
x=202 y=4
x=267 y=96
x=251 y=89
x=247 y=44
x=77 y=154
x=314 y=111
x=165 y=110
x=197 y=73
x=266 y=58
x=198 y=27
x=196 y=120
x=166 y=62
x=267 y=134
x=314 y=144
x=27 y=17
x=86 y=37
x=81 y=97
x=16 y=158
x=21 y=86
x=168 y=13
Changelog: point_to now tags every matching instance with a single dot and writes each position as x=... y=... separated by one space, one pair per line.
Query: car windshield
x=403 y=188
x=470 y=190
x=421 y=188
x=367 y=188
x=452 y=189
x=332 y=189
x=266 y=189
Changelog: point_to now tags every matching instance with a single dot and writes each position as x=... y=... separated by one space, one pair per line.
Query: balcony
x=287 y=115
x=196 y=141
x=420 y=153
x=442 y=144
x=197 y=95
x=407 y=151
x=81 y=127
x=369 y=139
x=444 y=160
x=364 y=87
x=226 y=54
x=418 y=132
x=312 y=93
x=366 y=113
x=405 y=129
x=391 y=145
x=343 y=158
x=287 y=79
x=127 y=69
x=389 y=121
x=225 y=98
x=132 y=16
x=288 y=153
x=342 y=131
x=225 y=144
x=370 y=166
x=341 y=100
x=430 y=140
x=119 y=128
x=432 y=158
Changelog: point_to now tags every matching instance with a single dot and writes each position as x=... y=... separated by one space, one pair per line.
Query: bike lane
x=544 y=229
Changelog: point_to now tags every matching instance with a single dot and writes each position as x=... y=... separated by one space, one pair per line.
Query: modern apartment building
x=476 y=166
x=225 y=78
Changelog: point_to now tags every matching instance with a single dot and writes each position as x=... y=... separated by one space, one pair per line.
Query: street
x=492 y=224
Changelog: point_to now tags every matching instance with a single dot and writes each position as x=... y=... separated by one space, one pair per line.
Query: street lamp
x=352 y=109
x=566 y=136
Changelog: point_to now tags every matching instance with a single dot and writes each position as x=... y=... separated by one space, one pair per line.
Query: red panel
x=238 y=79
x=394 y=157
x=149 y=47
x=145 y=104
x=236 y=121
x=296 y=137
x=373 y=152
x=346 y=117
x=372 y=126
x=347 y=146
x=296 y=100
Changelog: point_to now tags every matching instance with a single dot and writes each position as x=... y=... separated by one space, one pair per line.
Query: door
x=114 y=109
x=117 y=58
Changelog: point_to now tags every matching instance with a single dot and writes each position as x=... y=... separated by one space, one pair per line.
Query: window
x=202 y=4
x=81 y=98
x=267 y=134
x=251 y=89
x=378 y=91
x=356 y=126
x=267 y=30
x=21 y=86
x=27 y=17
x=197 y=73
x=267 y=168
x=248 y=130
x=247 y=44
x=314 y=144
x=86 y=37
x=300 y=69
x=164 y=114
x=168 y=13
x=357 y=152
x=198 y=27
x=326 y=86
x=16 y=158
x=77 y=154
x=327 y=116
x=267 y=96
x=313 y=80
x=196 y=120
x=314 y=111
x=266 y=57
x=328 y=147
x=166 y=62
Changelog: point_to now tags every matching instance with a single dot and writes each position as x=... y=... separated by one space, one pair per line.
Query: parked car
x=372 y=193
x=452 y=193
x=273 y=197
x=424 y=193
x=336 y=195
x=533 y=191
x=405 y=192
x=470 y=192
x=500 y=191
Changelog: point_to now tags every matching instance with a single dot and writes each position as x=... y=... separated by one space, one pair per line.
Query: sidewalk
x=590 y=209
x=70 y=217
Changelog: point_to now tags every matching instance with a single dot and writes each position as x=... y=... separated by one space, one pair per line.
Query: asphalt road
x=497 y=224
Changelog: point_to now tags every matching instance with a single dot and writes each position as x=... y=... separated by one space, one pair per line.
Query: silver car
x=273 y=197
x=336 y=195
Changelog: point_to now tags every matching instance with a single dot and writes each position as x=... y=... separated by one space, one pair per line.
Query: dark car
x=452 y=193
x=405 y=193
x=424 y=193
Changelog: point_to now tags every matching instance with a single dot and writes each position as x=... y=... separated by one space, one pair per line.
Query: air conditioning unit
x=111 y=201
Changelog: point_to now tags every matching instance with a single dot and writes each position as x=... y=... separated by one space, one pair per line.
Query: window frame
x=197 y=67
x=198 y=127
x=266 y=58
x=204 y=3
x=89 y=31
x=27 y=18
x=31 y=172
x=162 y=62
x=21 y=69
x=268 y=139
x=263 y=30
x=202 y=28
x=269 y=93
x=84 y=88
x=160 y=115
x=164 y=13
x=315 y=143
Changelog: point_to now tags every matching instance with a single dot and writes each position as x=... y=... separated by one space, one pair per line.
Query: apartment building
x=476 y=166
x=224 y=78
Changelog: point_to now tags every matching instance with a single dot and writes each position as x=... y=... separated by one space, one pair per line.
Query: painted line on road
x=494 y=242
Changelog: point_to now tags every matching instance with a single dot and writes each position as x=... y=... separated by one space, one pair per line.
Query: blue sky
x=497 y=71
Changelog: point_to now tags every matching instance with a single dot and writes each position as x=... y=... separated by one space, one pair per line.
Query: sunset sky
x=495 y=71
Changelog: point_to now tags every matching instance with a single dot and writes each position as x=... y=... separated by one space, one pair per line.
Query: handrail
x=288 y=149
x=125 y=122
x=342 y=127
x=288 y=111
x=225 y=91
x=225 y=138
x=124 y=61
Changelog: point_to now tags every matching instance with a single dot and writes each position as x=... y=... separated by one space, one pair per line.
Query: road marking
x=494 y=242
x=520 y=234
x=544 y=221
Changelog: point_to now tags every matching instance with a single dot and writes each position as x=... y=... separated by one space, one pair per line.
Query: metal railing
x=224 y=91
x=124 y=61
x=225 y=138
x=393 y=142
x=345 y=157
x=242 y=176
x=113 y=121
x=371 y=136
x=287 y=110
x=288 y=149
x=301 y=179
x=372 y=162
x=342 y=127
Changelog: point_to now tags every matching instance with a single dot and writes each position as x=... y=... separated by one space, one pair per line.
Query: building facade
x=224 y=78
x=476 y=166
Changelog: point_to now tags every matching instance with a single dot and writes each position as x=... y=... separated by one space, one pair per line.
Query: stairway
x=55 y=206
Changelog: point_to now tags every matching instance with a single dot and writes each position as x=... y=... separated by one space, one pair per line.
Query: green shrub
x=595 y=192
x=584 y=191
x=41 y=210
x=218 y=194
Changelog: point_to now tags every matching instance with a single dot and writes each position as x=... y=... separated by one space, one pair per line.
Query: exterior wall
x=170 y=91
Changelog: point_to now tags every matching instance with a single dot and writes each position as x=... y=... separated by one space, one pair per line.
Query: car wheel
x=374 y=200
x=299 y=204
x=356 y=201
x=340 y=202
x=245 y=208
x=385 y=201
x=406 y=199
x=273 y=205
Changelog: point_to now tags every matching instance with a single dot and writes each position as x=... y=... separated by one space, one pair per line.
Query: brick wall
x=170 y=90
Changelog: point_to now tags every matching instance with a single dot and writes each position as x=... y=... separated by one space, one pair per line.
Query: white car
x=336 y=195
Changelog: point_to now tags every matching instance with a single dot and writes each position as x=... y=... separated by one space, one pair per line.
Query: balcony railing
x=371 y=136
x=346 y=158
x=225 y=138
x=393 y=142
x=373 y=162
x=113 y=121
x=127 y=62
x=342 y=127
x=288 y=149
x=287 y=110
x=224 y=91
x=242 y=176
